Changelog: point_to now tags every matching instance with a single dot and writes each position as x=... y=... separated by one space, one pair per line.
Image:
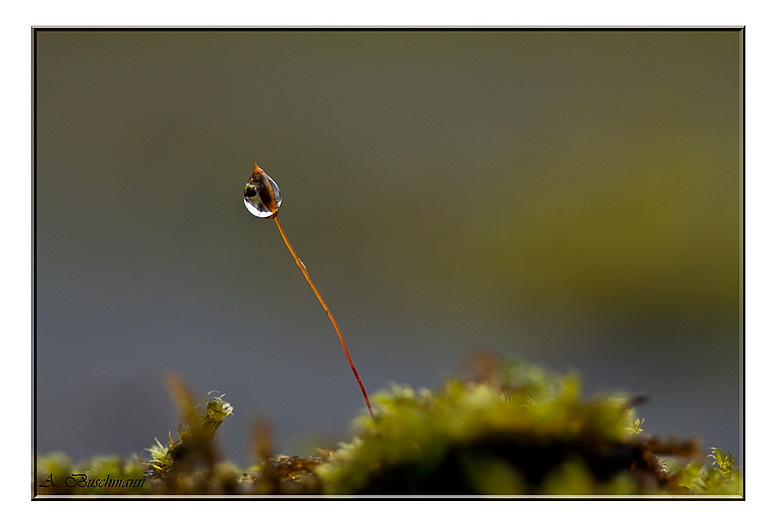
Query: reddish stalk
x=328 y=312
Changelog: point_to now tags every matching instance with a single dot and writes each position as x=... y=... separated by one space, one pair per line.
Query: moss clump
x=513 y=431
x=719 y=477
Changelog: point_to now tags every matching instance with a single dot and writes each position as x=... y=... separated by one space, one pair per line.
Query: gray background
x=571 y=198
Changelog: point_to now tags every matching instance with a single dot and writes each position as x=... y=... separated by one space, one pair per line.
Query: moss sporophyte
x=262 y=199
x=500 y=426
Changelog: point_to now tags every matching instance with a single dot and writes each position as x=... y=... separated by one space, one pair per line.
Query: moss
x=285 y=475
x=505 y=428
x=719 y=477
x=195 y=447
x=475 y=438
x=516 y=430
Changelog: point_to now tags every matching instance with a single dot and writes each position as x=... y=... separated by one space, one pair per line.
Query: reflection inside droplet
x=262 y=196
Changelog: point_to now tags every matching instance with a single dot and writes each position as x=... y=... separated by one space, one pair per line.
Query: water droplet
x=262 y=196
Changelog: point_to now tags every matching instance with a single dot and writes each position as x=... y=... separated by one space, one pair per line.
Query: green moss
x=194 y=447
x=507 y=428
x=522 y=432
x=719 y=477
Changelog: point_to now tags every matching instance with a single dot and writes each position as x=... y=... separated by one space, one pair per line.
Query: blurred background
x=569 y=198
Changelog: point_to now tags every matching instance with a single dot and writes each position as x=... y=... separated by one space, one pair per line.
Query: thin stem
x=328 y=312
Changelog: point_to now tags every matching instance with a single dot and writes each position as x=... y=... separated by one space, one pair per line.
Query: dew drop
x=262 y=196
